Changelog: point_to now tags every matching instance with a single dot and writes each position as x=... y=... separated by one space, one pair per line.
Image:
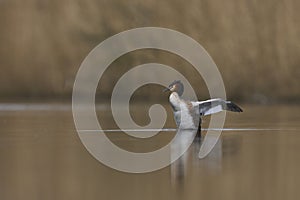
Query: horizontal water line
x=173 y=129
x=43 y=107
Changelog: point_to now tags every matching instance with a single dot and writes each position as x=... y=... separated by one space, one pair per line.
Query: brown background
x=256 y=44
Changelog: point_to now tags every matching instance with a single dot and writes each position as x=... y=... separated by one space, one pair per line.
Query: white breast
x=175 y=101
x=184 y=117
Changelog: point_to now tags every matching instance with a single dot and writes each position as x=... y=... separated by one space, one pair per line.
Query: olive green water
x=42 y=157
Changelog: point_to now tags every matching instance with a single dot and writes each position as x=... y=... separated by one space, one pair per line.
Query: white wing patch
x=214 y=110
x=210 y=106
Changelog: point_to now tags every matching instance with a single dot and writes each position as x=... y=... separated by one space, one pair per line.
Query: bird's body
x=187 y=114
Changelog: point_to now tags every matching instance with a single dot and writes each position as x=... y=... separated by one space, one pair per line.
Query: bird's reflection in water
x=190 y=163
x=178 y=167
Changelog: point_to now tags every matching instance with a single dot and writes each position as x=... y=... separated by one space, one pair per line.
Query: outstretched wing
x=216 y=105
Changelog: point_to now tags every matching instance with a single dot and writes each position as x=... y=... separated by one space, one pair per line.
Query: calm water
x=41 y=157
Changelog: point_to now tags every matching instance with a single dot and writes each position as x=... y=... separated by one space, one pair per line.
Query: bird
x=188 y=114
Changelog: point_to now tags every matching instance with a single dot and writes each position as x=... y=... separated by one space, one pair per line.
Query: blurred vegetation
x=255 y=44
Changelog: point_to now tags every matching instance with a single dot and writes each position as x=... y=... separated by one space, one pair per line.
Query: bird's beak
x=166 y=90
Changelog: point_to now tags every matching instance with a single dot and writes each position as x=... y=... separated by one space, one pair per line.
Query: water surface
x=42 y=157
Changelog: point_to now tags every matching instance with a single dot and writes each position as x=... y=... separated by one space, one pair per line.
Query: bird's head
x=175 y=86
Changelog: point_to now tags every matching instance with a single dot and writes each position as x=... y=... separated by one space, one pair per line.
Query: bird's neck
x=175 y=101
